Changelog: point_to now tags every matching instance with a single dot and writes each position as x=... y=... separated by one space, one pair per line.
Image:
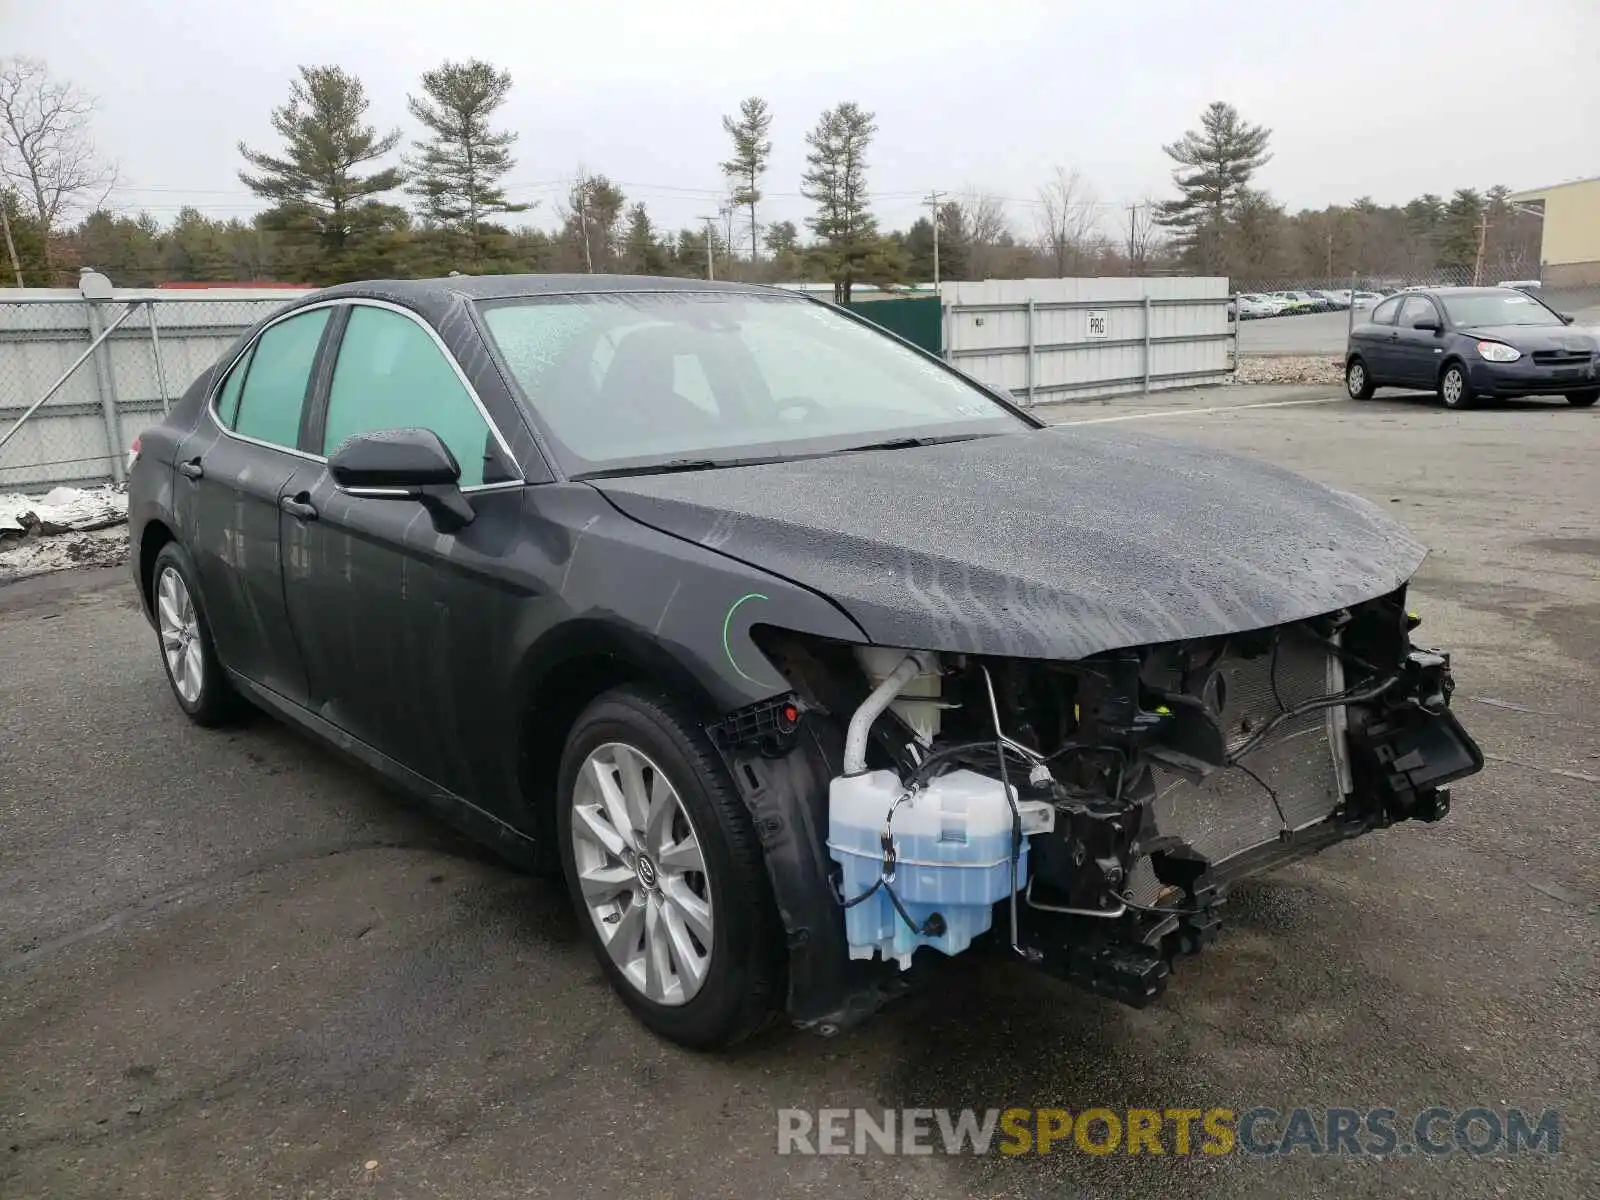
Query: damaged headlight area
x=1087 y=816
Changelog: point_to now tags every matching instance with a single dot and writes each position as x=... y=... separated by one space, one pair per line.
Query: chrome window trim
x=352 y=302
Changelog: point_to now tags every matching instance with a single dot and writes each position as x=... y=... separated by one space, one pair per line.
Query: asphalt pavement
x=232 y=964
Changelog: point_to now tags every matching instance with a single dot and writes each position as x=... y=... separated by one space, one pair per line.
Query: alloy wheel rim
x=642 y=873
x=180 y=635
x=1452 y=386
x=1357 y=378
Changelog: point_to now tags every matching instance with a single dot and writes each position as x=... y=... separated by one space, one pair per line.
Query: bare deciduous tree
x=1142 y=236
x=983 y=218
x=45 y=149
x=1069 y=217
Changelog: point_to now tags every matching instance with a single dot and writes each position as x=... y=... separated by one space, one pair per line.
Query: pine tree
x=1216 y=164
x=849 y=247
x=751 y=150
x=321 y=205
x=457 y=172
x=642 y=251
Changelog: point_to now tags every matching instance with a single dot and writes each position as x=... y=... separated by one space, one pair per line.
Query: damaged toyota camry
x=808 y=660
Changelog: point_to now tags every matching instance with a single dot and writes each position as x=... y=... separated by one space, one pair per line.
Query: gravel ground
x=1289 y=369
x=233 y=965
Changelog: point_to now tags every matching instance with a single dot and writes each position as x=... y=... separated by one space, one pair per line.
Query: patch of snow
x=21 y=558
x=66 y=527
x=63 y=508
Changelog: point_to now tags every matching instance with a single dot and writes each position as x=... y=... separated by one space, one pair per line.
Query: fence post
x=1147 y=342
x=946 y=328
x=105 y=387
x=1031 y=342
x=155 y=350
x=1350 y=317
x=1238 y=332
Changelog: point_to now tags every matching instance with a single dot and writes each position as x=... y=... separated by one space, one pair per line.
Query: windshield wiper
x=908 y=443
x=672 y=466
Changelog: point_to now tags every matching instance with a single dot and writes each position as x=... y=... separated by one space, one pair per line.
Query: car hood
x=1535 y=337
x=1055 y=543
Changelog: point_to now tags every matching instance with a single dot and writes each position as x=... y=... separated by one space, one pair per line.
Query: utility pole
x=933 y=202
x=1483 y=237
x=711 y=248
x=1133 y=237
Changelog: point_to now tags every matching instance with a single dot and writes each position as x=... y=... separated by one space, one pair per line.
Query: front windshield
x=631 y=379
x=1497 y=308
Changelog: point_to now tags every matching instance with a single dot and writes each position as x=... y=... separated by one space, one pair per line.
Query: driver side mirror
x=1566 y=318
x=404 y=464
x=1429 y=324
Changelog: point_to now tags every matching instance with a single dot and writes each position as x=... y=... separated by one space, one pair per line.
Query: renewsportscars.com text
x=1264 y=1132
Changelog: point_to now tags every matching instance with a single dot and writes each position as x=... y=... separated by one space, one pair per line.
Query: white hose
x=855 y=741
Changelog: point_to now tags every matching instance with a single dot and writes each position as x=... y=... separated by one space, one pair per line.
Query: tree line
x=343 y=199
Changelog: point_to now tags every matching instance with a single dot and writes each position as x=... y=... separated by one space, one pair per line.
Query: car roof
x=1462 y=291
x=504 y=287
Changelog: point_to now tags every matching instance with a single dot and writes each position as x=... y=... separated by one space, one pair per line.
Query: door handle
x=192 y=469
x=297 y=506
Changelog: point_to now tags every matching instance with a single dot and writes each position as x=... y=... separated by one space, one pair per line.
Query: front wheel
x=1453 y=387
x=1582 y=399
x=1356 y=380
x=665 y=871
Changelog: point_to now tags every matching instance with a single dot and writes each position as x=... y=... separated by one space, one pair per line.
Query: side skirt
x=479 y=824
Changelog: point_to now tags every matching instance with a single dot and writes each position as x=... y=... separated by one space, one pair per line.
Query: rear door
x=401 y=623
x=232 y=471
x=1417 y=352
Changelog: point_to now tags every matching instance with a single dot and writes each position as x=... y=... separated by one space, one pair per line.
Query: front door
x=1417 y=352
x=1375 y=340
x=232 y=471
x=399 y=621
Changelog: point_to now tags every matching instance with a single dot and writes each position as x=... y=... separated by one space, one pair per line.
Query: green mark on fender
x=727 y=623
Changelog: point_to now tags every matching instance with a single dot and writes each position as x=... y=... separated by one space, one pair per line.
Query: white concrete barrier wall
x=1049 y=340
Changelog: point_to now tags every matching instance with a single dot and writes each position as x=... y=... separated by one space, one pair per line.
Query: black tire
x=215 y=703
x=1582 y=399
x=1358 y=380
x=1455 y=392
x=743 y=985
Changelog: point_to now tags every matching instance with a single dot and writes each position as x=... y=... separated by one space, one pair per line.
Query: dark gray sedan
x=1470 y=344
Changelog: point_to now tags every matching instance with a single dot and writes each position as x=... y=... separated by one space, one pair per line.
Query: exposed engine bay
x=1084 y=816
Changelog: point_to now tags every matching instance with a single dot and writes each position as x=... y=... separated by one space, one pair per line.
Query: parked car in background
x=1295 y=303
x=711 y=596
x=1338 y=298
x=1522 y=285
x=1472 y=343
x=1252 y=305
x=1365 y=299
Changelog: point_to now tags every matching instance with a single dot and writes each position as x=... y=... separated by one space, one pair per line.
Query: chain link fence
x=83 y=373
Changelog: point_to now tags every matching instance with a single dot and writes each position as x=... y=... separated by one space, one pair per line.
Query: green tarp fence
x=915 y=319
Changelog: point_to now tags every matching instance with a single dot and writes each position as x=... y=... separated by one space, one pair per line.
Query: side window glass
x=1384 y=314
x=275 y=385
x=391 y=374
x=228 y=396
x=1416 y=308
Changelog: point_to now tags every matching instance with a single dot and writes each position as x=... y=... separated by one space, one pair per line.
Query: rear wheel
x=1356 y=380
x=665 y=871
x=189 y=655
x=1453 y=387
x=1582 y=399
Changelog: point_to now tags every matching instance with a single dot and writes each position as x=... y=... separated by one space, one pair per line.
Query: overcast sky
x=1374 y=97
